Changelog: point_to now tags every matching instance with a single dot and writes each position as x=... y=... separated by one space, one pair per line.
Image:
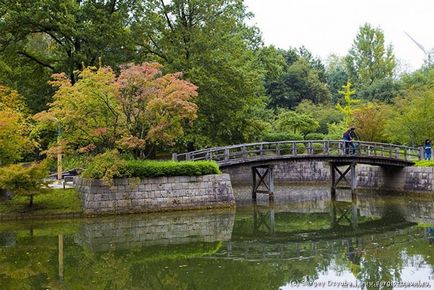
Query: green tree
x=369 y=59
x=347 y=107
x=209 y=42
x=336 y=76
x=24 y=180
x=43 y=37
x=291 y=121
x=14 y=127
x=325 y=114
x=412 y=117
x=300 y=82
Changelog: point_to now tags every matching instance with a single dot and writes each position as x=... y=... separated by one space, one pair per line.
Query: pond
x=302 y=240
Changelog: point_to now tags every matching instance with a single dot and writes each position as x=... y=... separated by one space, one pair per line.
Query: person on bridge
x=348 y=137
x=428 y=149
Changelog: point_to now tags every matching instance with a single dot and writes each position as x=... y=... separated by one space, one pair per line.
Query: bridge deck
x=333 y=151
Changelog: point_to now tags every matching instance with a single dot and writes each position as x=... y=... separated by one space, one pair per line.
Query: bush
x=27 y=180
x=106 y=166
x=110 y=165
x=314 y=136
x=274 y=137
x=425 y=163
x=148 y=168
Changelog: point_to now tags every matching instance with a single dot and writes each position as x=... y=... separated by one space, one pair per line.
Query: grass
x=425 y=163
x=57 y=201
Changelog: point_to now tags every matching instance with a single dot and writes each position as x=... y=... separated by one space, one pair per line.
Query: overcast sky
x=329 y=26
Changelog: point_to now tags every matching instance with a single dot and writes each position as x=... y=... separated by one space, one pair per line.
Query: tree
x=27 y=180
x=336 y=76
x=300 y=82
x=370 y=120
x=296 y=122
x=209 y=42
x=14 y=127
x=43 y=37
x=325 y=114
x=348 y=104
x=301 y=77
x=155 y=106
x=140 y=108
x=412 y=117
x=369 y=60
x=86 y=111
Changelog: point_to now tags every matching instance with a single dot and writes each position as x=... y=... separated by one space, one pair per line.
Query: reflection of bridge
x=262 y=156
x=347 y=232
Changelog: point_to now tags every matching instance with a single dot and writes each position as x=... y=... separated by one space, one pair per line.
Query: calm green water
x=302 y=241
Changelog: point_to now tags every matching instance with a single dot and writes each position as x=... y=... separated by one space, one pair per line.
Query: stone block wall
x=295 y=172
x=129 y=195
x=411 y=179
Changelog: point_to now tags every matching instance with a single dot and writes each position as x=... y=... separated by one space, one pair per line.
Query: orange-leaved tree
x=155 y=106
x=134 y=111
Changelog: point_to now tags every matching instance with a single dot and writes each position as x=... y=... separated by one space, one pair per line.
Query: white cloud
x=326 y=27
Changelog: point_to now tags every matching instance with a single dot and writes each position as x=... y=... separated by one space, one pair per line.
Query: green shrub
x=273 y=137
x=318 y=148
x=286 y=149
x=106 y=166
x=110 y=165
x=25 y=180
x=149 y=168
x=425 y=163
x=314 y=136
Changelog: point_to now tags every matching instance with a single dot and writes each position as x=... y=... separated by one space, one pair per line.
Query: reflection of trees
x=300 y=247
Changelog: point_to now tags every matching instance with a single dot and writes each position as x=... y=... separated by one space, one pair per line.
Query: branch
x=169 y=23
x=33 y=58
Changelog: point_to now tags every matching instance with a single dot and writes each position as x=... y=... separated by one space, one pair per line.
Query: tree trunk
x=31 y=201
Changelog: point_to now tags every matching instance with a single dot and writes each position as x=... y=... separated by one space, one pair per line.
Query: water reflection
x=302 y=239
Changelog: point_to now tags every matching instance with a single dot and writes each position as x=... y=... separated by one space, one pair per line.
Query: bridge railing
x=303 y=148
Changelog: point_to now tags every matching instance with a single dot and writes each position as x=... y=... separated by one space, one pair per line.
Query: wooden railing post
x=294 y=149
x=243 y=152
x=188 y=156
x=278 y=149
x=326 y=147
x=226 y=154
x=174 y=156
x=309 y=148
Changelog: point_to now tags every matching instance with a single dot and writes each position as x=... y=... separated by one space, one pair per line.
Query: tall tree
x=52 y=36
x=301 y=77
x=369 y=59
x=209 y=42
x=336 y=76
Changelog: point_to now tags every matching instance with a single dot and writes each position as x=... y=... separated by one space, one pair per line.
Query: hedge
x=148 y=168
x=425 y=163
x=110 y=165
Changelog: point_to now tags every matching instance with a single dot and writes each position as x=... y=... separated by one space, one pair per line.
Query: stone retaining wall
x=412 y=179
x=129 y=195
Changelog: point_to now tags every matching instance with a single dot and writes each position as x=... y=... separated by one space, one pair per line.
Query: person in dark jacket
x=348 y=137
x=427 y=149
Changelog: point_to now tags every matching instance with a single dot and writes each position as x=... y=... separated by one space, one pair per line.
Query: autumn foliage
x=14 y=127
x=140 y=108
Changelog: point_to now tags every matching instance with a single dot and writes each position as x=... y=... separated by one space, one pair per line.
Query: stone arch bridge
x=342 y=157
